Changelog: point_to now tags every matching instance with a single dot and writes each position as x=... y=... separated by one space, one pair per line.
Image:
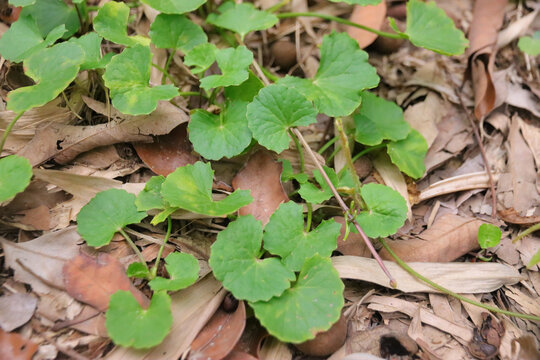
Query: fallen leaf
x=353 y=245
x=450 y=237
x=238 y=355
x=273 y=349
x=14 y=347
x=167 y=152
x=220 y=335
x=16 y=309
x=92 y=280
x=262 y=176
x=372 y=16
x=527 y=349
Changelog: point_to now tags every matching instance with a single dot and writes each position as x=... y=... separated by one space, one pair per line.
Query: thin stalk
x=327 y=145
x=368 y=150
x=411 y=271
x=269 y=75
x=339 y=20
x=134 y=247
x=8 y=130
x=192 y=93
x=68 y=104
x=309 y=216
x=167 y=64
x=338 y=123
x=278 y=6
x=530 y=230
x=160 y=252
x=300 y=152
x=165 y=73
x=345 y=208
x=213 y=95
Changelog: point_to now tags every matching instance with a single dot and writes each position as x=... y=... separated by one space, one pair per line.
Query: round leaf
x=312 y=305
x=176 y=32
x=229 y=131
x=15 y=175
x=190 y=187
x=379 y=119
x=233 y=64
x=201 y=57
x=489 y=236
x=234 y=259
x=130 y=325
x=111 y=23
x=386 y=210
x=245 y=91
x=108 y=212
x=52 y=14
x=138 y=270
x=150 y=197
x=343 y=73
x=409 y=154
x=183 y=271
x=174 y=6
x=274 y=111
x=528 y=44
x=284 y=235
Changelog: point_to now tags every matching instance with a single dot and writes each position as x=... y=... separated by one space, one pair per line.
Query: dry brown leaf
x=14 y=347
x=450 y=237
x=167 y=152
x=273 y=349
x=262 y=176
x=218 y=338
x=16 y=309
x=424 y=116
x=372 y=16
x=516 y=29
x=239 y=355
x=92 y=280
x=526 y=347
x=354 y=245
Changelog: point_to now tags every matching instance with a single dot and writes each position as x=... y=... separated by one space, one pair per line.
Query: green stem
x=327 y=145
x=339 y=20
x=367 y=150
x=213 y=95
x=300 y=151
x=167 y=235
x=309 y=216
x=451 y=293
x=530 y=230
x=167 y=64
x=344 y=140
x=192 y=93
x=278 y=6
x=334 y=153
x=269 y=75
x=8 y=130
x=165 y=73
x=134 y=247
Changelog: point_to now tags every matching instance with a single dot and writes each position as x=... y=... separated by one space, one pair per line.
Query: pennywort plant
x=283 y=270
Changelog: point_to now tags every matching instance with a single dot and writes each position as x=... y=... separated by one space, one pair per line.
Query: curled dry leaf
x=327 y=342
x=14 y=347
x=93 y=280
x=450 y=237
x=16 y=309
x=167 y=152
x=218 y=338
x=372 y=16
x=262 y=176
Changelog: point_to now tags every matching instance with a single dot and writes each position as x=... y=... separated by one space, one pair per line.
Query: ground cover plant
x=279 y=264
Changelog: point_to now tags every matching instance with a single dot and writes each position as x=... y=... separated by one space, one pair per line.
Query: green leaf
x=312 y=305
x=127 y=76
x=229 y=131
x=359 y=2
x=22 y=2
x=190 y=187
x=489 y=236
x=15 y=175
x=409 y=154
x=288 y=173
x=52 y=69
x=175 y=6
x=274 y=111
x=233 y=64
x=91 y=45
x=284 y=235
x=51 y=14
x=245 y=91
x=201 y=57
x=183 y=271
x=108 y=212
x=386 y=210
x=242 y=18
x=150 y=197
x=176 y=32
x=343 y=73
x=534 y=260
x=128 y=324
x=530 y=45
x=137 y=270
x=429 y=27
x=111 y=23
x=23 y=39
x=379 y=119
x=315 y=195
x=234 y=259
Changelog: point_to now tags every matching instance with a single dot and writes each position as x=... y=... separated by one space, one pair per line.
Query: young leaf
x=313 y=194
x=429 y=27
x=176 y=32
x=138 y=270
x=51 y=14
x=23 y=39
x=312 y=305
x=190 y=187
x=229 y=131
x=91 y=45
x=150 y=197
x=343 y=73
x=274 y=111
x=529 y=44
x=489 y=236
x=127 y=76
x=245 y=91
x=288 y=173
x=174 y=6
x=242 y=18
x=183 y=271
x=409 y=154
x=386 y=210
x=108 y=212
x=284 y=235
x=111 y=23
x=233 y=64
x=52 y=69
x=130 y=325
x=15 y=175
x=234 y=259
x=379 y=119
x=201 y=57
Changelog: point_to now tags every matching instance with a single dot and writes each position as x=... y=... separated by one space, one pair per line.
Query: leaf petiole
x=530 y=230
x=167 y=64
x=160 y=252
x=367 y=150
x=8 y=130
x=165 y=73
x=134 y=247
